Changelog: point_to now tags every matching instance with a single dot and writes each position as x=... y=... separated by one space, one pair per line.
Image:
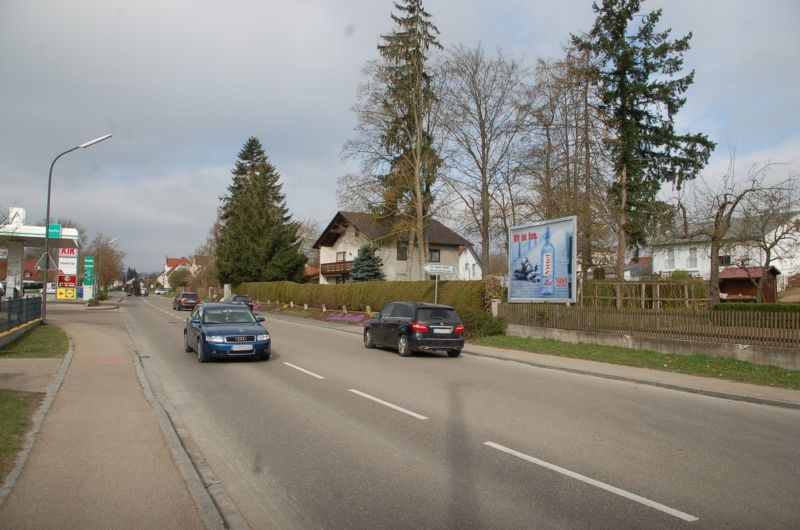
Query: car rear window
x=193 y=296
x=437 y=314
x=241 y=298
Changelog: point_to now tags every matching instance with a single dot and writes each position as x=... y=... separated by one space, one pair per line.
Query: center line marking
x=622 y=493
x=312 y=374
x=390 y=405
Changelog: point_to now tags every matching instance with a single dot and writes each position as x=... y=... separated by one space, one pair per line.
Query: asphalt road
x=328 y=434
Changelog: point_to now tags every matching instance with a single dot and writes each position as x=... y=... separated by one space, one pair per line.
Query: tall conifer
x=257 y=239
x=637 y=69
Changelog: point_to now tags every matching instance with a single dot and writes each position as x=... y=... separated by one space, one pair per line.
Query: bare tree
x=484 y=118
x=709 y=214
x=769 y=230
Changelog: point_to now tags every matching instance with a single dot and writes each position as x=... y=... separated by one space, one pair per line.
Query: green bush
x=757 y=308
x=482 y=324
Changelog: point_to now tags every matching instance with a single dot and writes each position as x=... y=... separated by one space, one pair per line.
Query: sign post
x=437 y=269
x=88 y=277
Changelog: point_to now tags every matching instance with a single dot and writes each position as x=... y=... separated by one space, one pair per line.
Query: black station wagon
x=415 y=326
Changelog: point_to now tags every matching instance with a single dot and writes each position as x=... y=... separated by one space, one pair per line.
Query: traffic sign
x=437 y=268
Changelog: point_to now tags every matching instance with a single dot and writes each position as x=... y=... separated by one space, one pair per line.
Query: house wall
x=395 y=270
x=785 y=258
x=468 y=267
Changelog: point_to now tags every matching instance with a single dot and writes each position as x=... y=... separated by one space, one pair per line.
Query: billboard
x=541 y=261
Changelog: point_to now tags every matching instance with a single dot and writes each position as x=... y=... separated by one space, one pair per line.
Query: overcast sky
x=182 y=84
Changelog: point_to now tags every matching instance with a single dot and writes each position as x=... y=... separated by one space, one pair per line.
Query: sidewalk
x=101 y=457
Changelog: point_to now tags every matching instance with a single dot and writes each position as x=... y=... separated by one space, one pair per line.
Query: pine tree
x=641 y=95
x=367 y=266
x=257 y=239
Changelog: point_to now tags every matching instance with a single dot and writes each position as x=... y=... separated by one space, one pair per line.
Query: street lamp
x=47 y=219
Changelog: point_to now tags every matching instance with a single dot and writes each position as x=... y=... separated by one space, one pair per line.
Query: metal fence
x=19 y=311
x=737 y=327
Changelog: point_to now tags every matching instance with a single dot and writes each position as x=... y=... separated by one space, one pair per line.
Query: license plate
x=442 y=330
x=241 y=347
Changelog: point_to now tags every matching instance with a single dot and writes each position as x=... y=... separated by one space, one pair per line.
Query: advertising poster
x=541 y=261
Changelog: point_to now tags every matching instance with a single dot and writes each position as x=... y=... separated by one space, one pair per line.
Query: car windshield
x=228 y=315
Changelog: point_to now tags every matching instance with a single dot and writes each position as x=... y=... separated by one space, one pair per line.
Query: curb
x=38 y=420
x=212 y=511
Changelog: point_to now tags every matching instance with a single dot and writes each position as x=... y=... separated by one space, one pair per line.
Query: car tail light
x=459 y=328
x=419 y=327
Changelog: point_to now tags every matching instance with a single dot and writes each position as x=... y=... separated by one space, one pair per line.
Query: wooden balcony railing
x=336 y=268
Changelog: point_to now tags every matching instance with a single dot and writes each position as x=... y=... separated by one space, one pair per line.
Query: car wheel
x=264 y=356
x=453 y=353
x=202 y=356
x=186 y=346
x=368 y=339
x=403 y=347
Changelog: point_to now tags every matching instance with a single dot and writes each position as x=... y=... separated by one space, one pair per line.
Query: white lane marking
x=622 y=493
x=312 y=374
x=390 y=405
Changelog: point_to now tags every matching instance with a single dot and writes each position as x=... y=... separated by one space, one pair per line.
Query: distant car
x=160 y=290
x=240 y=299
x=223 y=330
x=416 y=326
x=185 y=300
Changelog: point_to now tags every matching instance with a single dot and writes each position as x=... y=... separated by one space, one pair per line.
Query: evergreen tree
x=257 y=239
x=636 y=71
x=367 y=266
x=406 y=101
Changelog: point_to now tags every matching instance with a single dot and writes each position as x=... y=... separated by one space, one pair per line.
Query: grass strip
x=42 y=341
x=701 y=365
x=16 y=413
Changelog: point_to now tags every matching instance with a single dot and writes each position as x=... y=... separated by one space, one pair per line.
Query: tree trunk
x=713 y=276
x=622 y=240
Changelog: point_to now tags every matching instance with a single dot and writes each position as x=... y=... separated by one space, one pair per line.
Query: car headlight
x=263 y=337
x=214 y=338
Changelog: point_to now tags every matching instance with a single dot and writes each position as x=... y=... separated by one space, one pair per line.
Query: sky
x=183 y=84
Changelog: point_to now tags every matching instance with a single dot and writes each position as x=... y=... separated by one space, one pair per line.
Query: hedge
x=468 y=297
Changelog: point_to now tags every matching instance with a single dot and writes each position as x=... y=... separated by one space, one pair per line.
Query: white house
x=469 y=264
x=694 y=256
x=171 y=265
x=348 y=231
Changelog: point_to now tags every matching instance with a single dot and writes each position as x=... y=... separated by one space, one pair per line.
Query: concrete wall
x=788 y=358
x=7 y=337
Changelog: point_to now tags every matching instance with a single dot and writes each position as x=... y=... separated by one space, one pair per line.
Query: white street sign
x=437 y=268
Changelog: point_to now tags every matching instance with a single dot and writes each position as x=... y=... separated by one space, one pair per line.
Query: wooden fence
x=644 y=294
x=737 y=327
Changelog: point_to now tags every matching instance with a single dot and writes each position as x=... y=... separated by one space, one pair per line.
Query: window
x=434 y=255
x=670 y=258
x=692 y=262
x=402 y=253
x=340 y=256
x=724 y=261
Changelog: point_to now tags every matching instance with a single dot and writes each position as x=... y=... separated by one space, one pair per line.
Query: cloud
x=183 y=84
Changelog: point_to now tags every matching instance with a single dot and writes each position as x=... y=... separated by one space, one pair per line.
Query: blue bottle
x=547 y=262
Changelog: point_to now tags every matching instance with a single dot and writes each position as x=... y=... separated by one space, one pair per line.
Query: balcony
x=337 y=268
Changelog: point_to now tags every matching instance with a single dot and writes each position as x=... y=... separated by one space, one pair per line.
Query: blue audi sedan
x=221 y=330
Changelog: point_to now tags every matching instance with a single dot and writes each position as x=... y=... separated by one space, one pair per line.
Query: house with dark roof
x=339 y=243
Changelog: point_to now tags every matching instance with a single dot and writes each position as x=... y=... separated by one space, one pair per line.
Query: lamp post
x=47 y=219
